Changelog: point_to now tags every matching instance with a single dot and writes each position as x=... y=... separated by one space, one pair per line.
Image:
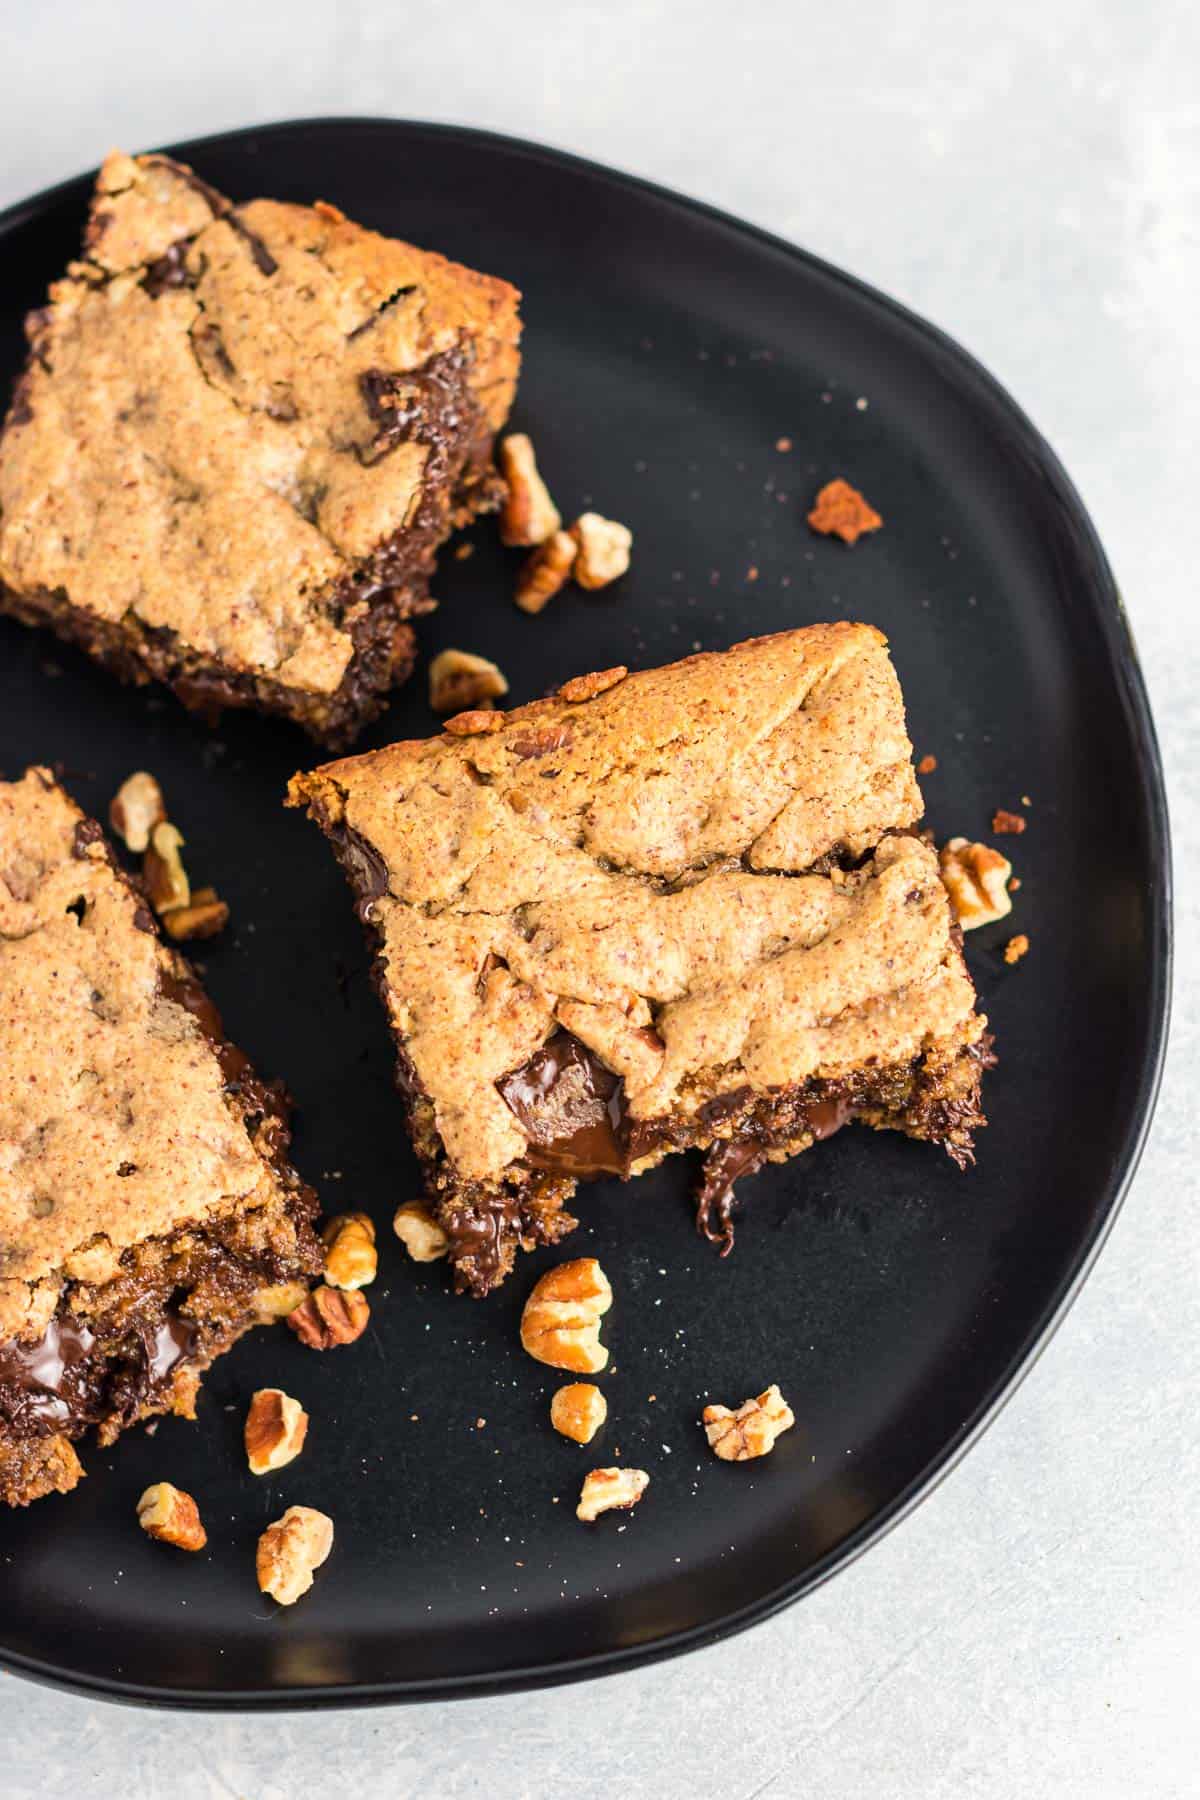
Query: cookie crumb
x=927 y=765
x=1016 y=948
x=783 y=445
x=1007 y=824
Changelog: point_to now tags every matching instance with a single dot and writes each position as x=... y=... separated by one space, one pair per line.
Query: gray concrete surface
x=1029 y=177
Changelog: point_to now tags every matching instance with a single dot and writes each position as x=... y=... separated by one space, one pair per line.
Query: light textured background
x=1028 y=176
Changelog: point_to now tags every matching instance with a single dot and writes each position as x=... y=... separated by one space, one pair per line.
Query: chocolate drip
x=364 y=867
x=571 y=1108
x=726 y=1163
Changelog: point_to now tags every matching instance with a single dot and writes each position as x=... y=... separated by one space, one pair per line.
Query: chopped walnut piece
x=605 y=1489
x=543 y=573
x=165 y=877
x=278 y=1300
x=602 y=550
x=168 y=1514
x=136 y=808
x=586 y=687
x=927 y=765
x=351 y=1260
x=751 y=1430
x=578 y=1411
x=290 y=1550
x=459 y=681
x=473 y=724
x=202 y=918
x=276 y=1427
x=841 y=511
x=1016 y=948
x=561 y=1321
x=328 y=1318
x=1006 y=823
x=528 y=515
x=976 y=878
x=420 y=1232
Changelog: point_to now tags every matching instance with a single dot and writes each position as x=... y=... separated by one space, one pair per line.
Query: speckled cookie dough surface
x=214 y=435
x=114 y=1124
x=653 y=870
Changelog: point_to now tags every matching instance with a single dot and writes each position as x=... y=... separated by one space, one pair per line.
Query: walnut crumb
x=136 y=808
x=275 y=1430
x=204 y=916
x=560 y=1324
x=528 y=516
x=841 y=511
x=329 y=1317
x=165 y=878
x=171 y=1516
x=351 y=1260
x=459 y=681
x=750 y=1431
x=602 y=550
x=927 y=765
x=976 y=878
x=1005 y=823
x=290 y=1550
x=420 y=1232
x=606 y=1489
x=544 y=573
x=1016 y=948
x=578 y=1411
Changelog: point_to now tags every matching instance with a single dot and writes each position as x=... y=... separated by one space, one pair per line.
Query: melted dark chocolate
x=571 y=1108
x=64 y=1382
x=726 y=1162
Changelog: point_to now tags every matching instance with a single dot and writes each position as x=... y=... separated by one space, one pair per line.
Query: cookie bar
x=679 y=909
x=148 y=1213
x=241 y=436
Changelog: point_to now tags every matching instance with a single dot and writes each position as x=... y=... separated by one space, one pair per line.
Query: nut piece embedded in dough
x=561 y=1321
x=136 y=808
x=578 y=1411
x=276 y=1427
x=976 y=878
x=751 y=1430
x=474 y=723
x=351 y=1260
x=290 y=1550
x=166 y=879
x=203 y=918
x=171 y=1516
x=602 y=547
x=420 y=1232
x=528 y=515
x=586 y=687
x=543 y=573
x=606 y=1489
x=328 y=1318
x=459 y=681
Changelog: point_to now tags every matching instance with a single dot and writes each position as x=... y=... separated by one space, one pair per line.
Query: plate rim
x=1121 y=651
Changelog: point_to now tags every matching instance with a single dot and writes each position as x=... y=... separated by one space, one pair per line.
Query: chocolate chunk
x=571 y=1108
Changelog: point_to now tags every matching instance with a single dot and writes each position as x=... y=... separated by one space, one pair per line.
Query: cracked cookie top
x=230 y=411
x=114 y=1122
x=657 y=867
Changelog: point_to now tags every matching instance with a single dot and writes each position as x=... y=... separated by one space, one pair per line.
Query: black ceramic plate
x=895 y=1300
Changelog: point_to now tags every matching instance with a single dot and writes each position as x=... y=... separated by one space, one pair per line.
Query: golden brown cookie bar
x=241 y=436
x=685 y=908
x=148 y=1212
